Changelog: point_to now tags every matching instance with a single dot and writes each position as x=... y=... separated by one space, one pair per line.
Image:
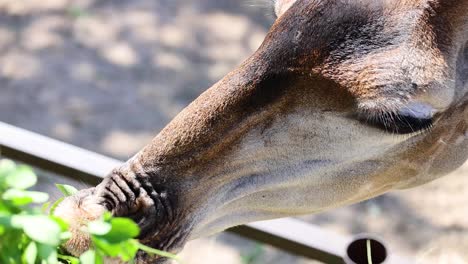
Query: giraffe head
x=343 y=101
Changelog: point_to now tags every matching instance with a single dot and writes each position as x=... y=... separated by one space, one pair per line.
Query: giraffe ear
x=281 y=6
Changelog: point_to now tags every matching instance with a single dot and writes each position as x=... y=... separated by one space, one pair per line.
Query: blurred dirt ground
x=107 y=75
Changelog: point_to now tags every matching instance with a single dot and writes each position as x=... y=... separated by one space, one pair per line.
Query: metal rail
x=291 y=235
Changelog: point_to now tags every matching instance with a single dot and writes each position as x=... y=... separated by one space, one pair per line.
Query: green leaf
x=122 y=229
x=6 y=167
x=64 y=236
x=68 y=259
x=62 y=223
x=18 y=221
x=42 y=229
x=21 y=178
x=99 y=258
x=47 y=253
x=129 y=250
x=18 y=201
x=91 y=257
x=20 y=197
x=4 y=209
x=99 y=227
x=30 y=253
x=126 y=250
x=109 y=249
x=55 y=204
x=38 y=197
x=44 y=207
x=107 y=216
x=66 y=190
x=158 y=252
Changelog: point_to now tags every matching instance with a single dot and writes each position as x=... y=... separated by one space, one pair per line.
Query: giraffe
x=344 y=100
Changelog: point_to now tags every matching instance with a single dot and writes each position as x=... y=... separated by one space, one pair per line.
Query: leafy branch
x=32 y=235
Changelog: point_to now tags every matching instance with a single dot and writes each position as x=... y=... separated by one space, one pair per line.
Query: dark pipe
x=366 y=249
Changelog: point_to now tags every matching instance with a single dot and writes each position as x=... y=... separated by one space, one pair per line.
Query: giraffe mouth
x=158 y=229
x=151 y=207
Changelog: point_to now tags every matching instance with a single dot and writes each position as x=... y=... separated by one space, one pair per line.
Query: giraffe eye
x=412 y=118
x=399 y=123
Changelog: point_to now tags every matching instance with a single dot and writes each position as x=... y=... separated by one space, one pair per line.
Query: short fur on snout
x=78 y=210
